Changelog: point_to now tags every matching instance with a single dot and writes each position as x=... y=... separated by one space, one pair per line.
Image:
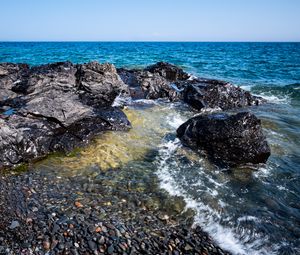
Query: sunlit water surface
x=250 y=210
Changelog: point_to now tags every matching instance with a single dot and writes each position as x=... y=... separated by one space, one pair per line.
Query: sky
x=149 y=20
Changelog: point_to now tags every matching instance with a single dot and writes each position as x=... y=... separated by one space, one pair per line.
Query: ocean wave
x=229 y=238
x=278 y=94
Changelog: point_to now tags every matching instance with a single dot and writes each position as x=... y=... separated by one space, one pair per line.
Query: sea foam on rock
x=228 y=140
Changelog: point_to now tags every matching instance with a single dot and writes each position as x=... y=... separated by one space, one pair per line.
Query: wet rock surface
x=59 y=106
x=201 y=94
x=227 y=139
x=56 y=107
x=44 y=212
x=144 y=84
x=163 y=80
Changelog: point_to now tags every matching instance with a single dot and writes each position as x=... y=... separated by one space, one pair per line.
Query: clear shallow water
x=247 y=211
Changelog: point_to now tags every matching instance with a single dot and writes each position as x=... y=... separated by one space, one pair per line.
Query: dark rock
x=228 y=140
x=217 y=94
x=92 y=245
x=60 y=106
x=163 y=80
x=99 y=84
x=144 y=84
x=11 y=77
x=110 y=249
x=168 y=71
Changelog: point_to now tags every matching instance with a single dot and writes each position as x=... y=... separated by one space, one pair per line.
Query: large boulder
x=148 y=85
x=60 y=106
x=168 y=71
x=228 y=140
x=203 y=93
x=100 y=84
x=155 y=81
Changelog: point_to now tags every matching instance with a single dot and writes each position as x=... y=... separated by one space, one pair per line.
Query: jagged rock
x=58 y=107
x=144 y=84
x=227 y=140
x=168 y=71
x=155 y=81
x=100 y=84
x=217 y=94
x=10 y=76
x=163 y=80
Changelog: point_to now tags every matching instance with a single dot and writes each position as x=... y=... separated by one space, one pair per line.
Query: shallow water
x=251 y=210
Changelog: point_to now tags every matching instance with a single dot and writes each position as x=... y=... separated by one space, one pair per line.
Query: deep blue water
x=248 y=212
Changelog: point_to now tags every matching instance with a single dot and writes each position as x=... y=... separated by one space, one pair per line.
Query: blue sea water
x=242 y=63
x=255 y=212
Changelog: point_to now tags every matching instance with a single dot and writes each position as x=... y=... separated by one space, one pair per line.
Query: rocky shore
x=43 y=214
x=62 y=106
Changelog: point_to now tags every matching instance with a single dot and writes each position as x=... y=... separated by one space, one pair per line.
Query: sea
x=247 y=210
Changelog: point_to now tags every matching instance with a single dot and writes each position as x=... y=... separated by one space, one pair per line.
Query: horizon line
x=140 y=41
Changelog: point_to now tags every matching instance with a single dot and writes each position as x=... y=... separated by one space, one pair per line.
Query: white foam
x=206 y=217
x=276 y=99
x=121 y=101
x=246 y=87
x=211 y=110
x=262 y=172
x=248 y=218
x=174 y=121
x=282 y=99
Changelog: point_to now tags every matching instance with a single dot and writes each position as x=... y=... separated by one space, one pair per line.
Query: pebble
x=78 y=204
x=46 y=245
x=14 y=224
x=117 y=228
x=92 y=245
x=110 y=249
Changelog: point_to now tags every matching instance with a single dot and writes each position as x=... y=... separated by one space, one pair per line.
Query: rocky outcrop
x=57 y=107
x=11 y=75
x=202 y=93
x=146 y=85
x=168 y=71
x=228 y=140
x=163 y=80
x=91 y=75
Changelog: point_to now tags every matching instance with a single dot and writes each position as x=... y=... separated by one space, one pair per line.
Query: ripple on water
x=247 y=211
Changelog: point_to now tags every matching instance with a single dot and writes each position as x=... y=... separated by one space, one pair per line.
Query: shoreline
x=46 y=214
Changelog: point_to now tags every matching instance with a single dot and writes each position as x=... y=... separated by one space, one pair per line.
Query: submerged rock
x=58 y=107
x=227 y=140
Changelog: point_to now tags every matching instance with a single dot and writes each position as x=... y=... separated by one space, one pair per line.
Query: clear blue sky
x=150 y=20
